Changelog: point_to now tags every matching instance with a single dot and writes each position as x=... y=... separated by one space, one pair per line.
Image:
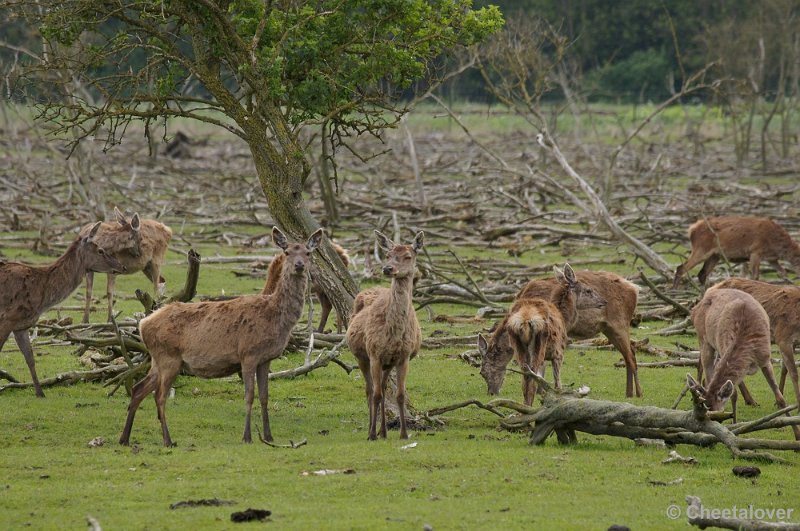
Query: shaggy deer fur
x=782 y=304
x=613 y=320
x=273 y=273
x=217 y=339
x=384 y=332
x=26 y=292
x=147 y=255
x=733 y=332
x=535 y=330
x=738 y=239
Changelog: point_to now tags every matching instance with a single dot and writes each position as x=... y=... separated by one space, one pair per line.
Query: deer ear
x=93 y=232
x=569 y=274
x=279 y=238
x=418 y=241
x=559 y=275
x=314 y=240
x=385 y=243
x=120 y=218
x=726 y=391
x=483 y=346
x=136 y=222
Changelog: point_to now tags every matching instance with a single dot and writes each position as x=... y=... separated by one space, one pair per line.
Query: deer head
x=400 y=259
x=94 y=257
x=298 y=255
x=585 y=297
x=496 y=354
x=714 y=401
x=132 y=242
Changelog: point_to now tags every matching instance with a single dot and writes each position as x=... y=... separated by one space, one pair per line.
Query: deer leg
x=556 y=363
x=326 y=305
x=165 y=380
x=112 y=279
x=262 y=379
x=89 y=285
x=402 y=372
x=770 y=376
x=376 y=375
x=24 y=344
x=779 y=269
x=145 y=386
x=249 y=377
x=363 y=364
x=733 y=404
x=708 y=267
x=622 y=341
x=746 y=396
x=755 y=266
x=788 y=367
x=384 y=381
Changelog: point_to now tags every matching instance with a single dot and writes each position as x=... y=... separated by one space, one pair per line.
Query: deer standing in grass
x=782 y=304
x=26 y=291
x=613 y=319
x=273 y=274
x=733 y=332
x=738 y=239
x=139 y=244
x=220 y=338
x=535 y=330
x=384 y=332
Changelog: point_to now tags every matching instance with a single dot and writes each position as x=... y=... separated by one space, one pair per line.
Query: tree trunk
x=283 y=187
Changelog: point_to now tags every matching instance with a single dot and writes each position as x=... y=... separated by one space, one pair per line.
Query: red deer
x=273 y=274
x=535 y=330
x=733 y=332
x=738 y=239
x=26 y=292
x=148 y=256
x=613 y=320
x=384 y=332
x=782 y=304
x=215 y=339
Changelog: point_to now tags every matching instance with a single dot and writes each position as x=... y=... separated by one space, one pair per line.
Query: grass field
x=467 y=474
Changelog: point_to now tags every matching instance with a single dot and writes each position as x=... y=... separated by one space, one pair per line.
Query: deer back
x=737 y=237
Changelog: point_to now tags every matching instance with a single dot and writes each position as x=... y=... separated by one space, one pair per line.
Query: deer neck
x=400 y=307
x=62 y=276
x=564 y=300
x=289 y=295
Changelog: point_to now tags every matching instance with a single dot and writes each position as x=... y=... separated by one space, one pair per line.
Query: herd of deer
x=735 y=319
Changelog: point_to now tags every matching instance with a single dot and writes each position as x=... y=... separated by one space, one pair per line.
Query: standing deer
x=613 y=320
x=273 y=274
x=384 y=332
x=147 y=256
x=782 y=304
x=535 y=330
x=738 y=239
x=733 y=332
x=220 y=338
x=26 y=292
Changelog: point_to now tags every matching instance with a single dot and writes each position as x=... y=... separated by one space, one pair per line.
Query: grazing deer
x=147 y=256
x=26 y=292
x=613 y=320
x=738 y=239
x=782 y=304
x=535 y=330
x=273 y=273
x=384 y=332
x=220 y=338
x=733 y=332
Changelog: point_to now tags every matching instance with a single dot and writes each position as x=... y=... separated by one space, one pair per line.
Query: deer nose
x=388 y=270
x=299 y=266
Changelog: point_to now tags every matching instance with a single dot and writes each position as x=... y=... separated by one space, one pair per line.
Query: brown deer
x=384 y=332
x=147 y=256
x=738 y=239
x=782 y=304
x=733 y=332
x=535 y=330
x=215 y=339
x=613 y=320
x=26 y=291
x=273 y=274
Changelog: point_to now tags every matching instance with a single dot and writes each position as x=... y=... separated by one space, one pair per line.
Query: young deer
x=535 y=330
x=218 y=339
x=147 y=255
x=782 y=304
x=733 y=332
x=273 y=274
x=26 y=292
x=738 y=239
x=384 y=332
x=613 y=320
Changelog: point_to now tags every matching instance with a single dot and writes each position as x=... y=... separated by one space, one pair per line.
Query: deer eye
x=101 y=252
